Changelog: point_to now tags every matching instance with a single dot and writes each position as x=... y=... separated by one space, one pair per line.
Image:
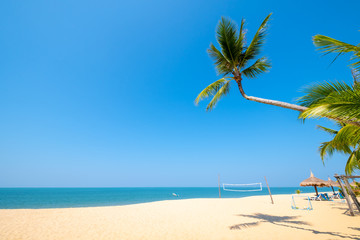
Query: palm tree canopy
x=233 y=54
x=337 y=100
x=233 y=58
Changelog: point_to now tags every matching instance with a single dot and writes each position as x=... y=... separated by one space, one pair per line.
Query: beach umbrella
x=332 y=183
x=314 y=182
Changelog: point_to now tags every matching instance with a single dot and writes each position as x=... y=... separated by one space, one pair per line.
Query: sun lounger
x=337 y=196
x=341 y=196
x=325 y=196
x=316 y=198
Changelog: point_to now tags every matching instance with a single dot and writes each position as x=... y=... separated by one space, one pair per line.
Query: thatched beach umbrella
x=314 y=182
x=332 y=183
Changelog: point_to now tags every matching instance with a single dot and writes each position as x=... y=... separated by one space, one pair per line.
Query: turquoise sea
x=17 y=198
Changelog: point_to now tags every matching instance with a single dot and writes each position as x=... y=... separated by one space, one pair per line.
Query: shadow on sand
x=345 y=208
x=289 y=222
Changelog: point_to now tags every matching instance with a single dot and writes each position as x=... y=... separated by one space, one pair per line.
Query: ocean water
x=33 y=198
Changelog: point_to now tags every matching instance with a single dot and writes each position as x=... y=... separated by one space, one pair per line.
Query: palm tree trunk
x=270 y=102
x=284 y=104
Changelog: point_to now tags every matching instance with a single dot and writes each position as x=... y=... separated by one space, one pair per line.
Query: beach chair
x=316 y=198
x=335 y=196
x=341 y=196
x=325 y=196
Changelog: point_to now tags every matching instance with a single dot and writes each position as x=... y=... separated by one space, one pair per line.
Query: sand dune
x=243 y=218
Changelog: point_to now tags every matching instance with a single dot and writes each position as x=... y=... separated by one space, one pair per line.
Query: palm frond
x=224 y=90
x=328 y=130
x=353 y=162
x=343 y=111
x=242 y=37
x=256 y=44
x=222 y=65
x=228 y=40
x=326 y=149
x=328 y=45
x=331 y=45
x=340 y=143
x=319 y=91
x=210 y=90
x=342 y=104
x=336 y=144
x=348 y=135
x=336 y=100
x=260 y=66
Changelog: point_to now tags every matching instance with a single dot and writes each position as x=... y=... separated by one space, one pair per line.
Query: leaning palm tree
x=234 y=60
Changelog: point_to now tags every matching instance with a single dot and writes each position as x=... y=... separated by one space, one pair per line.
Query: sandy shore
x=243 y=218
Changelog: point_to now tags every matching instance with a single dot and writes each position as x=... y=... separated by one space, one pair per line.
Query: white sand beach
x=200 y=219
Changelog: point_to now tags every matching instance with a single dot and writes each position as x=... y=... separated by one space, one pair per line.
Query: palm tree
x=337 y=99
x=235 y=60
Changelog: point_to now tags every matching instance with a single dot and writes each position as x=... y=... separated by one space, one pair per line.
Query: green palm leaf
x=331 y=45
x=326 y=149
x=241 y=42
x=223 y=66
x=346 y=111
x=336 y=144
x=328 y=130
x=336 y=100
x=228 y=40
x=317 y=92
x=256 y=44
x=211 y=90
x=353 y=162
x=222 y=92
x=261 y=65
x=348 y=135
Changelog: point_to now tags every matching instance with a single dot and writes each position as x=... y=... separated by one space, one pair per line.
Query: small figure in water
x=175 y=194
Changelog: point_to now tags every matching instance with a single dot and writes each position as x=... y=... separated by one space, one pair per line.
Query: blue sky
x=100 y=93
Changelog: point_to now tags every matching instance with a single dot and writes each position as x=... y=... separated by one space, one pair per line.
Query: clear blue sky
x=100 y=93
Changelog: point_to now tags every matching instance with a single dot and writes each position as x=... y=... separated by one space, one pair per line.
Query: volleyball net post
x=272 y=201
x=219 y=185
